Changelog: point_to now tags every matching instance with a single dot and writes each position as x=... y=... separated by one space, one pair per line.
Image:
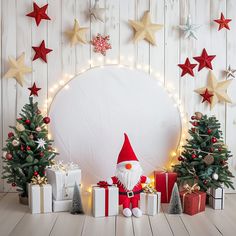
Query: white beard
x=129 y=178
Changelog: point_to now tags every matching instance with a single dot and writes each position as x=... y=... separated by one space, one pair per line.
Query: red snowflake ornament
x=101 y=44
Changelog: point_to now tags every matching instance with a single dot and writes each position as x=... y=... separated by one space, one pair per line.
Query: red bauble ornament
x=27 y=121
x=22 y=147
x=39 y=13
x=209 y=131
x=205 y=182
x=212 y=149
x=193 y=130
x=13 y=184
x=194 y=156
x=214 y=140
x=193 y=117
x=10 y=134
x=46 y=120
x=19 y=118
x=219 y=149
x=223 y=23
x=41 y=52
x=9 y=156
x=204 y=60
x=34 y=90
x=41 y=154
x=195 y=123
x=28 y=148
x=187 y=68
x=36 y=173
x=180 y=158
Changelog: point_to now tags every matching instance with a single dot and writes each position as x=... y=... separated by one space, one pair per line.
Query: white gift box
x=105 y=201
x=217 y=198
x=150 y=203
x=63 y=182
x=40 y=198
x=64 y=205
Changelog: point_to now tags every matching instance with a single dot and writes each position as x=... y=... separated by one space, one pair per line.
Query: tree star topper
x=217 y=89
x=18 y=69
x=34 y=90
x=223 y=23
x=41 y=52
x=189 y=29
x=204 y=60
x=101 y=44
x=41 y=143
x=187 y=68
x=77 y=34
x=144 y=29
x=97 y=13
x=230 y=72
x=39 y=13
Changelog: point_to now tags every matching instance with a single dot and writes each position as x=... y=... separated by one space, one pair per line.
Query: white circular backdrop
x=90 y=118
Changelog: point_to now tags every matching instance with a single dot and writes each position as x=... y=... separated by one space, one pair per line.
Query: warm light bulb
x=67 y=87
x=173 y=154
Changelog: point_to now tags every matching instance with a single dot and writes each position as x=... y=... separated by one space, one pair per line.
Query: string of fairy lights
x=99 y=63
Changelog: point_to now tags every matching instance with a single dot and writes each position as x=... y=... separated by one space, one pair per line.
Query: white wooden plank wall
x=19 y=33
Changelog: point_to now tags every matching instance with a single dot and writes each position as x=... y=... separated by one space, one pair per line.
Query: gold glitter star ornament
x=18 y=69
x=77 y=34
x=145 y=29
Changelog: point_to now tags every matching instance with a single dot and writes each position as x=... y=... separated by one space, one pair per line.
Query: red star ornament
x=204 y=60
x=187 y=68
x=34 y=90
x=206 y=96
x=41 y=52
x=39 y=13
x=223 y=23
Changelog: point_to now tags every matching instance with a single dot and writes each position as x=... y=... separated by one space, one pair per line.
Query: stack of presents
x=108 y=195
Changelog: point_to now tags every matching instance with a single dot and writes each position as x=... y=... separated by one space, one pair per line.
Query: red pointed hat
x=126 y=152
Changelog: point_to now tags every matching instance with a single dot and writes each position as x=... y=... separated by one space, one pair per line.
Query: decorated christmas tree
x=205 y=156
x=28 y=150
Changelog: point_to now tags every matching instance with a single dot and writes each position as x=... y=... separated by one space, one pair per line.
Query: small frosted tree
x=77 y=206
x=175 y=203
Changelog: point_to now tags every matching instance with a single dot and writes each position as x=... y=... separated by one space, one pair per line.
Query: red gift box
x=194 y=202
x=164 y=182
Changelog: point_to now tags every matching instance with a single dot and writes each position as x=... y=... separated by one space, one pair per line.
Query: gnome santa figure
x=128 y=178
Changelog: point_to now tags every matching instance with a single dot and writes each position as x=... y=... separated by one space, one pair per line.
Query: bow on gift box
x=188 y=189
x=149 y=189
x=103 y=184
x=38 y=180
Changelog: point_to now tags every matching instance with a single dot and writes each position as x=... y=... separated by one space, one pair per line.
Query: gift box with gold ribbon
x=40 y=195
x=150 y=201
x=193 y=200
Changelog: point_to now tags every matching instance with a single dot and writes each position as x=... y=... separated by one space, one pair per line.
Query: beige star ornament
x=18 y=69
x=77 y=34
x=145 y=29
x=218 y=89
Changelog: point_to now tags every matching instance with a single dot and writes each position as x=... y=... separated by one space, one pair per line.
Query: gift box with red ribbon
x=164 y=182
x=105 y=200
x=193 y=200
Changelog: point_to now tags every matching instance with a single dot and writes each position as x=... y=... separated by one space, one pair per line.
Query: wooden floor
x=16 y=220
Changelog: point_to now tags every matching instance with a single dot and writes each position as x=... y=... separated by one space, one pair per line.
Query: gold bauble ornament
x=20 y=127
x=198 y=115
x=208 y=159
